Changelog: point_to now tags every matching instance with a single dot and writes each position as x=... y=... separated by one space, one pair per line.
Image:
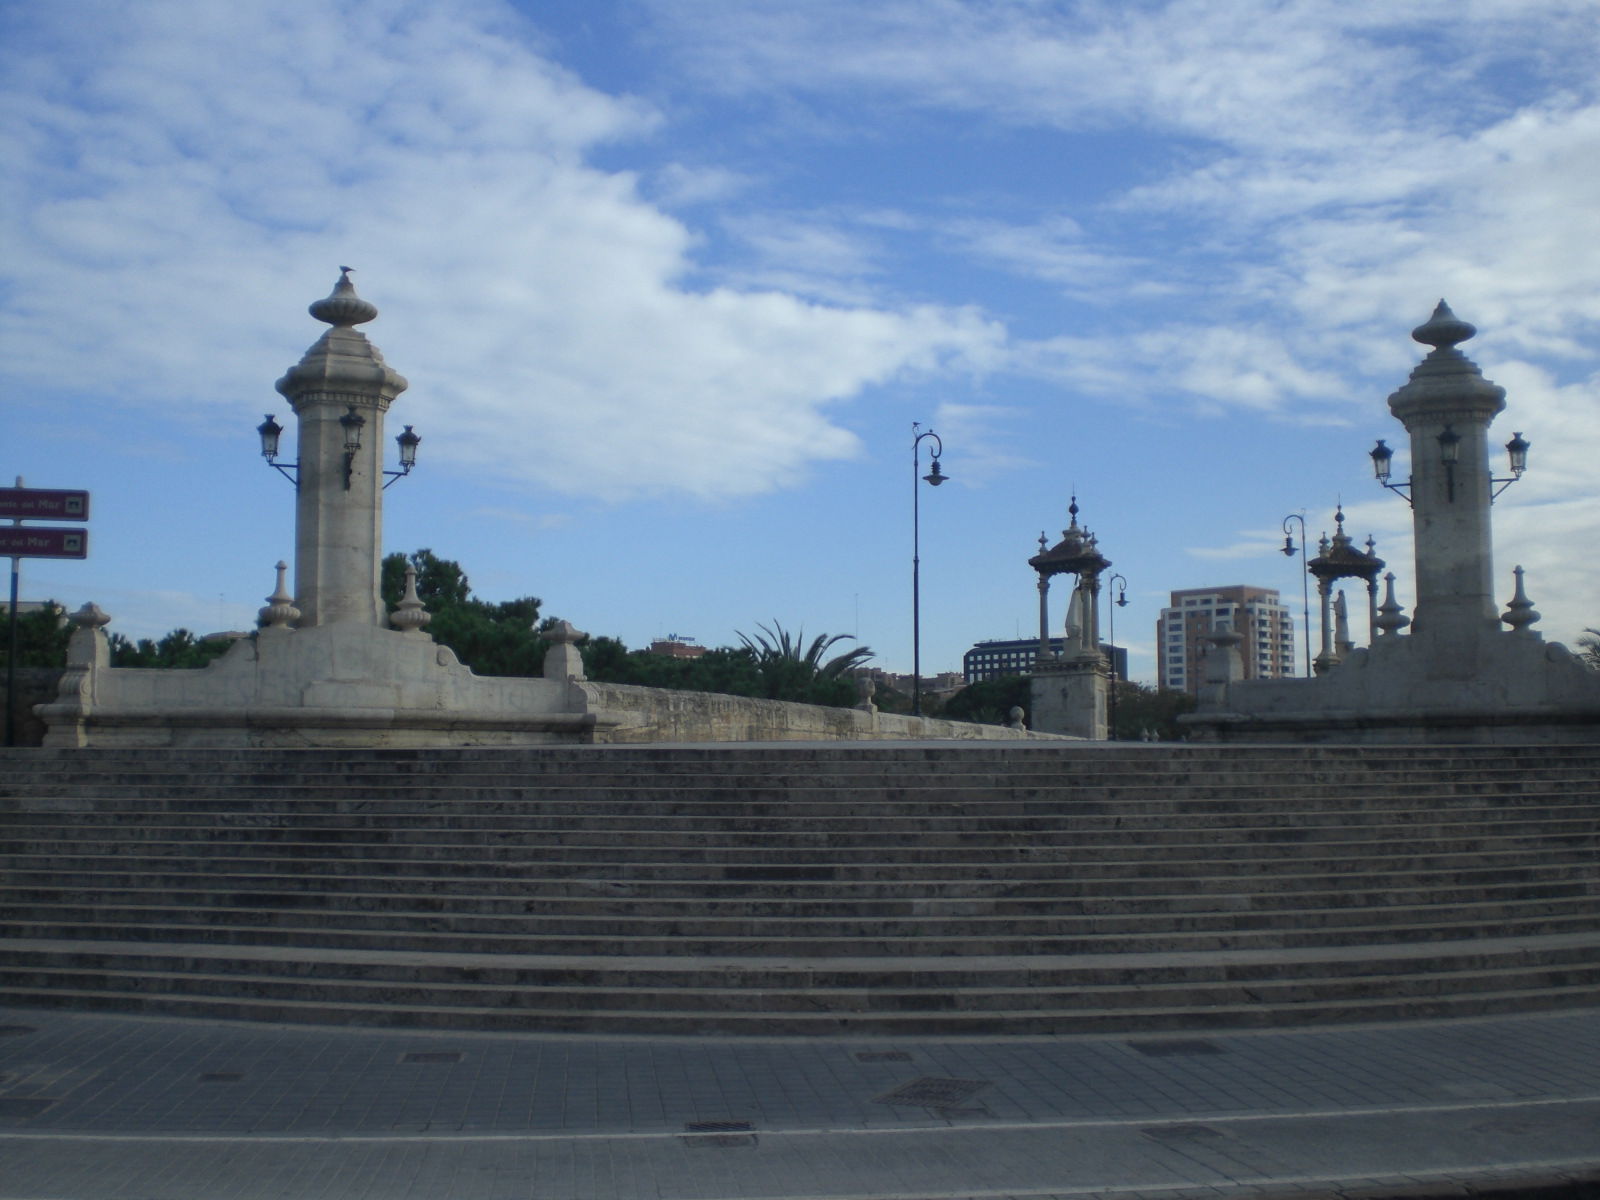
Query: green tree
x=1141 y=708
x=990 y=701
x=41 y=637
x=179 y=649
x=504 y=638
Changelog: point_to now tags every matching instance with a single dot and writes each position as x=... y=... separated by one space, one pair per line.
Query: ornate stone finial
x=1520 y=613
x=1017 y=718
x=1443 y=330
x=90 y=616
x=1072 y=511
x=1389 y=620
x=563 y=660
x=280 y=611
x=88 y=648
x=1044 y=542
x=342 y=308
x=409 y=615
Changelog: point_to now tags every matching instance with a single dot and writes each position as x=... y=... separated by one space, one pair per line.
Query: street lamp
x=352 y=423
x=1449 y=455
x=934 y=477
x=1120 y=602
x=1288 y=549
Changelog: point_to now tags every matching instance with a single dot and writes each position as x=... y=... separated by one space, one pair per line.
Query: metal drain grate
x=1176 y=1046
x=724 y=1135
x=882 y=1056
x=1181 y=1133
x=431 y=1056
x=931 y=1092
x=16 y=1030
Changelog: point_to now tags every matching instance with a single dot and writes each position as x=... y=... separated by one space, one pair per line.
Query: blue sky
x=671 y=280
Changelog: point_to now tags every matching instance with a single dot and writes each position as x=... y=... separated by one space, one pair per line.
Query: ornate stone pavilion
x=1069 y=690
x=1463 y=672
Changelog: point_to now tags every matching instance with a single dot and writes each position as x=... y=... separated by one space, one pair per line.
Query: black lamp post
x=1305 y=592
x=1120 y=602
x=934 y=477
x=352 y=423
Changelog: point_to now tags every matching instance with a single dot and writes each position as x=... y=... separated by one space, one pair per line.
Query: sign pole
x=11 y=656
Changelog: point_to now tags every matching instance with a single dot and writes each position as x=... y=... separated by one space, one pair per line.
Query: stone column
x=1448 y=396
x=339 y=508
x=1044 y=617
x=1326 y=658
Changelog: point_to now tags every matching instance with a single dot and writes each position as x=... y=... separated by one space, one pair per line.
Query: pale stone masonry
x=1456 y=676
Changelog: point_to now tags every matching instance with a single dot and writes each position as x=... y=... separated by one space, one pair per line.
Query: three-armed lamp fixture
x=1449 y=456
x=352 y=423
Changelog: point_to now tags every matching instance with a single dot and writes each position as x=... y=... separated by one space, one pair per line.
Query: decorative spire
x=1520 y=613
x=1444 y=329
x=280 y=611
x=342 y=308
x=1390 y=621
x=409 y=615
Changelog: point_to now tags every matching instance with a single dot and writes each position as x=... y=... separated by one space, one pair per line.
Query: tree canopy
x=178 y=649
x=41 y=637
x=491 y=638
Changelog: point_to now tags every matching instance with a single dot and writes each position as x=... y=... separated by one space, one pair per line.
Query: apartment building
x=1257 y=613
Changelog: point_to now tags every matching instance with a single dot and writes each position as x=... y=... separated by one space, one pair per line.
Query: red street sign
x=24 y=541
x=43 y=504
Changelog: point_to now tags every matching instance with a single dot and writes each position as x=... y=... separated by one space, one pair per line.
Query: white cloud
x=175 y=207
x=982 y=438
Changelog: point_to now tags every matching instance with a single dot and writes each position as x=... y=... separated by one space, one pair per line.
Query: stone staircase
x=1032 y=888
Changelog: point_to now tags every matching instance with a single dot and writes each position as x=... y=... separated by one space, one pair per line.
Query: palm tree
x=1589 y=648
x=792 y=670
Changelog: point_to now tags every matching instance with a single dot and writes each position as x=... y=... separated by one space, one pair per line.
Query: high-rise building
x=991 y=660
x=1268 y=648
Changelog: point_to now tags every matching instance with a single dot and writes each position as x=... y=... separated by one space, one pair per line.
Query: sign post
x=34 y=504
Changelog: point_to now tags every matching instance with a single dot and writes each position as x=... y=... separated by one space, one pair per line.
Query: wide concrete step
x=641 y=895
x=665 y=996
x=487 y=934
x=843 y=757
x=909 y=997
x=795 y=820
x=753 y=867
x=646 y=792
x=640 y=905
x=693 y=885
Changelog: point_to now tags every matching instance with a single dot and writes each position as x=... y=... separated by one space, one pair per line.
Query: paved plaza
x=97 y=1107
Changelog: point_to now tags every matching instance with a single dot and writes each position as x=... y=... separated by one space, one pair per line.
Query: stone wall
x=659 y=715
x=353 y=685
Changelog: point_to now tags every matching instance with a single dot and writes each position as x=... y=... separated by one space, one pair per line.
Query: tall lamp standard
x=934 y=477
x=1120 y=602
x=1305 y=594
